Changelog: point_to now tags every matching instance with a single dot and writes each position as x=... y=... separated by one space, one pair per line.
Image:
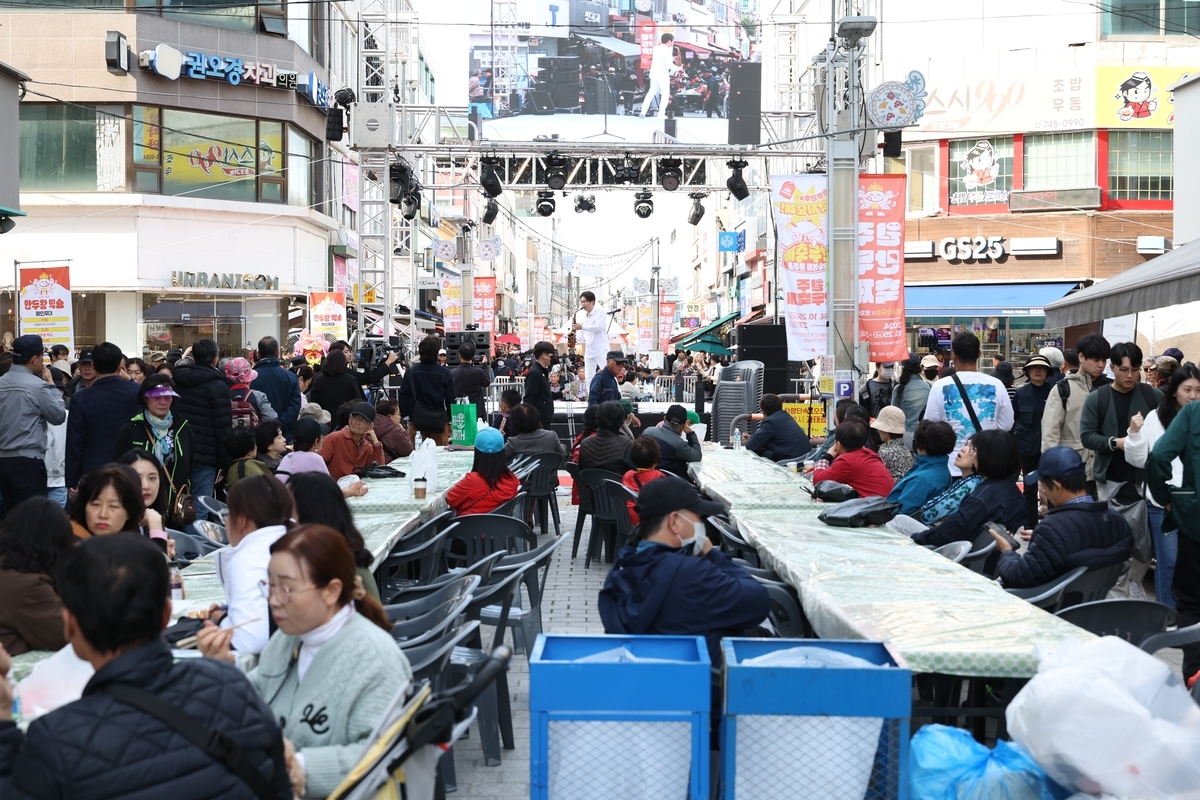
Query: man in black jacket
x=1077 y=532
x=470 y=380
x=778 y=437
x=97 y=414
x=115 y=596
x=205 y=403
x=280 y=385
x=537 y=383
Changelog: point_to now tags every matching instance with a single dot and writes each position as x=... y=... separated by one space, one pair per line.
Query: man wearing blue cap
x=1077 y=531
x=28 y=401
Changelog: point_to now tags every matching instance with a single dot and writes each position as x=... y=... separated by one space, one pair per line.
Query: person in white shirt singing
x=594 y=330
x=662 y=67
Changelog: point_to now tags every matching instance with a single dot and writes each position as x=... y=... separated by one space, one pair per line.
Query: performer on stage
x=662 y=67
x=594 y=329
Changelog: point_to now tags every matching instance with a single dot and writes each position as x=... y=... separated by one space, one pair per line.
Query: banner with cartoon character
x=645 y=326
x=451 y=303
x=1128 y=97
x=327 y=313
x=981 y=172
x=801 y=207
x=881 y=266
x=45 y=308
x=483 y=306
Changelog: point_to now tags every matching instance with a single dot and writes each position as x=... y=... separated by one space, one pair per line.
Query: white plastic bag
x=1103 y=716
x=53 y=683
x=424 y=465
x=809 y=657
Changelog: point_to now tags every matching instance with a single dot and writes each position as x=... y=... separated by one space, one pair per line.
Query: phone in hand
x=997 y=528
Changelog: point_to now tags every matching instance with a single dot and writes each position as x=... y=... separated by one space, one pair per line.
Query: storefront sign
x=327 y=313
x=666 y=321
x=225 y=280
x=967 y=248
x=801 y=207
x=451 y=302
x=198 y=65
x=1054 y=199
x=46 y=305
x=483 y=307
x=881 y=266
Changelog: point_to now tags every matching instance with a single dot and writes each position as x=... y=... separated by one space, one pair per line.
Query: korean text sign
x=881 y=201
x=801 y=207
x=483 y=308
x=451 y=290
x=46 y=305
x=666 y=323
x=327 y=313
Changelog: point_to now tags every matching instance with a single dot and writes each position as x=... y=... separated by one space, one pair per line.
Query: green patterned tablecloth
x=23 y=664
x=869 y=583
x=395 y=495
x=730 y=466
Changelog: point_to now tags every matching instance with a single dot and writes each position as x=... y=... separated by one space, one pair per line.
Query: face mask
x=697 y=539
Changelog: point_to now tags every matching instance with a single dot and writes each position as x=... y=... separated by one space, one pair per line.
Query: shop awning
x=621 y=48
x=1168 y=280
x=711 y=327
x=702 y=52
x=983 y=300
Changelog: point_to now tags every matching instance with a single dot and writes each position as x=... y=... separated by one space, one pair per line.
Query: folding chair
x=541 y=484
x=525 y=617
x=1142 y=623
x=475 y=536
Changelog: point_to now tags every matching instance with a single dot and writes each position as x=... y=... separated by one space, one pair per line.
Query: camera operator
x=376 y=375
x=470 y=380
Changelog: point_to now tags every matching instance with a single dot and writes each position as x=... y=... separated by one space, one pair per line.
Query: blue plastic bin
x=829 y=732
x=630 y=729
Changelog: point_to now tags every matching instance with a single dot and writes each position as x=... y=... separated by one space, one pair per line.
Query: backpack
x=245 y=414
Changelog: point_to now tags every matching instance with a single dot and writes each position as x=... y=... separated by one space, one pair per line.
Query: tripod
x=607 y=100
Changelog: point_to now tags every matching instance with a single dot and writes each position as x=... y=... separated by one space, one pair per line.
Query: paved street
x=568 y=607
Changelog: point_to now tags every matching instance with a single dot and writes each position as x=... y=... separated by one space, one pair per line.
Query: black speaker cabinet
x=565 y=95
x=745 y=103
x=541 y=102
x=768 y=344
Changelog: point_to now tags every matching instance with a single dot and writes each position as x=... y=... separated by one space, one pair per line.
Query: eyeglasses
x=285 y=592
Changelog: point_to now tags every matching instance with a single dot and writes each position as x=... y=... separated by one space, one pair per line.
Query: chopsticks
x=188 y=642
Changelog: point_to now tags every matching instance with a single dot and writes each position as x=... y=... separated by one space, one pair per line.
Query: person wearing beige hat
x=314 y=411
x=895 y=454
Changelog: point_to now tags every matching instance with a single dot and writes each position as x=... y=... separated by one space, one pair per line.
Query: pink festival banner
x=666 y=323
x=645 y=327
x=801 y=207
x=483 y=310
x=881 y=266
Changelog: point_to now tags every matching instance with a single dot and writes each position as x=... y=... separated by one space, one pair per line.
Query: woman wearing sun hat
x=156 y=430
x=894 y=452
x=490 y=483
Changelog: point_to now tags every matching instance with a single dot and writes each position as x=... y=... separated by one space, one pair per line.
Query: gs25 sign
x=966 y=248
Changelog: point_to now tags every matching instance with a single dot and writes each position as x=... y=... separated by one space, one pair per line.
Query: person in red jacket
x=644 y=453
x=853 y=464
x=490 y=483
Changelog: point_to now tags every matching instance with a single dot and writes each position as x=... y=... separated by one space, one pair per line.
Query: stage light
x=736 y=183
x=410 y=204
x=585 y=203
x=489 y=213
x=492 y=187
x=400 y=181
x=643 y=206
x=670 y=173
x=556 y=172
x=697 y=212
x=545 y=203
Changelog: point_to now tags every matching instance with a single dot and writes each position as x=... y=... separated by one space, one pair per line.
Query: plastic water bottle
x=417 y=441
x=737 y=440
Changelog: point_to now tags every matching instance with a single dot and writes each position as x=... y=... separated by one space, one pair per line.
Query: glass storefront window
x=90 y=320
x=206 y=155
x=178 y=320
x=980 y=171
x=1060 y=161
x=147 y=136
x=1132 y=18
x=68 y=148
x=1140 y=165
x=300 y=155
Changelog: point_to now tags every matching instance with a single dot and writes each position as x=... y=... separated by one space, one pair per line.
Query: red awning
x=753 y=315
x=702 y=52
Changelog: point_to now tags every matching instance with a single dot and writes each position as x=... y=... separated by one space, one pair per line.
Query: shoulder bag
x=182 y=510
x=860 y=512
x=217 y=744
x=962 y=391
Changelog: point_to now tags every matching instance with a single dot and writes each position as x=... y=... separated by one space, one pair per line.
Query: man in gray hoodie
x=28 y=401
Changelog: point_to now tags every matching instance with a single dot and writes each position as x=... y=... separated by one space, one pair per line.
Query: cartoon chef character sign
x=980 y=166
x=873 y=201
x=42 y=286
x=1136 y=92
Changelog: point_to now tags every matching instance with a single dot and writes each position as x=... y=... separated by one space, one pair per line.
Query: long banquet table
x=870 y=583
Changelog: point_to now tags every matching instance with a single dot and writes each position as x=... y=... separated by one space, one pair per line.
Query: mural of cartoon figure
x=1136 y=91
x=981 y=165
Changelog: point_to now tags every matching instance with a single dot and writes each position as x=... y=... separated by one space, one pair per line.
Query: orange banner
x=45 y=307
x=881 y=201
x=483 y=311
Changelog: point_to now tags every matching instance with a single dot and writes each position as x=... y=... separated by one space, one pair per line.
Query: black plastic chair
x=191 y=548
x=607 y=512
x=955 y=551
x=482 y=569
x=212 y=531
x=429 y=660
x=761 y=573
x=517 y=508
x=475 y=536
x=976 y=559
x=397 y=570
x=213 y=507
x=1093 y=585
x=541 y=484
x=621 y=495
x=525 y=617
x=1048 y=596
x=584 y=509
x=733 y=545
x=459 y=585
x=430 y=623
x=425 y=531
x=1142 y=623
x=589 y=482
x=786 y=615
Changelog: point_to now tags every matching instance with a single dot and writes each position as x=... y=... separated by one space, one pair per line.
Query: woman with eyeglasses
x=260 y=512
x=331 y=669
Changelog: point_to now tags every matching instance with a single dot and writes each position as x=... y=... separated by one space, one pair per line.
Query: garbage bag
x=948 y=764
x=424 y=465
x=1102 y=716
x=52 y=684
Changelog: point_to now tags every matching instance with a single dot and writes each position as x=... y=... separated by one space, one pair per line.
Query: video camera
x=374 y=351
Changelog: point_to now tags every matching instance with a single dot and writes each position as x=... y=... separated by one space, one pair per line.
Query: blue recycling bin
x=834 y=732
x=619 y=716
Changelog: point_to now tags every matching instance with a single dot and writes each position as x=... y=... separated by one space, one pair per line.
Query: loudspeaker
x=893 y=142
x=745 y=103
x=541 y=102
x=565 y=95
x=768 y=344
x=597 y=97
x=481 y=339
x=453 y=340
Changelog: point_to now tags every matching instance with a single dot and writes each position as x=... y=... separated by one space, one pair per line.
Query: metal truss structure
x=504 y=54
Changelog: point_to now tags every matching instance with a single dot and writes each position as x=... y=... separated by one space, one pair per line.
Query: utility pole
x=655 y=288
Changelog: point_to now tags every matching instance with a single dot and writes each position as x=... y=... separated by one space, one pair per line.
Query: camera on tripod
x=375 y=350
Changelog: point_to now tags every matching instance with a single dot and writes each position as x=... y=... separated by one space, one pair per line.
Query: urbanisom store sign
x=225 y=280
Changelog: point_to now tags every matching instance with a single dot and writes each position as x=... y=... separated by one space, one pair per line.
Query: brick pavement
x=569 y=606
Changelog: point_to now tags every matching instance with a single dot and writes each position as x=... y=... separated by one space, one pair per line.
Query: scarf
x=164 y=439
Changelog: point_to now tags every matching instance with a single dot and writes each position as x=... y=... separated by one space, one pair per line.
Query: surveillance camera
x=855 y=29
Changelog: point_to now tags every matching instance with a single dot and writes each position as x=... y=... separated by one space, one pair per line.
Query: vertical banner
x=523 y=332
x=646 y=40
x=327 y=314
x=539 y=333
x=881 y=266
x=46 y=305
x=645 y=327
x=801 y=206
x=484 y=304
x=451 y=301
x=666 y=323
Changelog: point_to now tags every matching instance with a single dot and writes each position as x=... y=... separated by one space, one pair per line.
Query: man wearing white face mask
x=657 y=586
